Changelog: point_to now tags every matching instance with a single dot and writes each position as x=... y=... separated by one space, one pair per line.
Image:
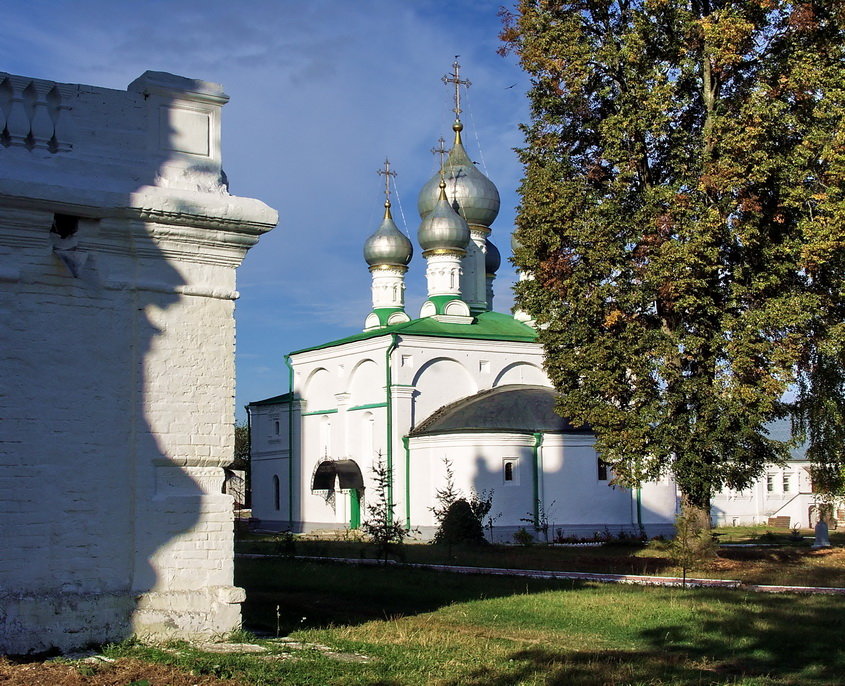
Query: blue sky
x=321 y=92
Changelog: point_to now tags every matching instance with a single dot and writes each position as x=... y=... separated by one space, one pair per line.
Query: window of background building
x=510 y=474
x=602 y=470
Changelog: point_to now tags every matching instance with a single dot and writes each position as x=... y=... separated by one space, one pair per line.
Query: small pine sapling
x=385 y=531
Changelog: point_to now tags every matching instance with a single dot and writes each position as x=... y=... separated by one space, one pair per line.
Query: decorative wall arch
x=366 y=383
x=319 y=391
x=522 y=373
x=439 y=382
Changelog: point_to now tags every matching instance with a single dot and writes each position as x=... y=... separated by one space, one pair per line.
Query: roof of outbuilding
x=275 y=400
x=513 y=408
x=781 y=430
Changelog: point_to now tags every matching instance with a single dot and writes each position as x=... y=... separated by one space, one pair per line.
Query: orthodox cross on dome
x=440 y=149
x=455 y=77
x=386 y=173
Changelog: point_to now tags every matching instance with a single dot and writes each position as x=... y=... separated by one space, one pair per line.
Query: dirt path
x=122 y=672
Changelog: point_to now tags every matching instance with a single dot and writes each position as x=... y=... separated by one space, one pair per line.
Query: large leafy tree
x=683 y=221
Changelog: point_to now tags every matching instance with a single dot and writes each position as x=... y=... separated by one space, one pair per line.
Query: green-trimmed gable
x=491 y=326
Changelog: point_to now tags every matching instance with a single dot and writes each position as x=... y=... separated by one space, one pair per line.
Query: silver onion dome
x=388 y=245
x=442 y=228
x=472 y=194
x=492 y=259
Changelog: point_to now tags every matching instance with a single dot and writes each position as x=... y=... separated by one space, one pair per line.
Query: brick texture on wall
x=118 y=249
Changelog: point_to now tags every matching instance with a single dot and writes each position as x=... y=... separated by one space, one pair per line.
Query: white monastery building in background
x=783 y=491
x=460 y=382
x=118 y=248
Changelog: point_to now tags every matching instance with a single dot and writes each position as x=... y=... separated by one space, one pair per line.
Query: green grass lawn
x=422 y=627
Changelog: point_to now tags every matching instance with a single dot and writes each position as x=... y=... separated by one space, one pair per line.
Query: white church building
x=460 y=382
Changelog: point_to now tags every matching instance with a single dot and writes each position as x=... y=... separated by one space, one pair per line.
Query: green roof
x=275 y=400
x=490 y=326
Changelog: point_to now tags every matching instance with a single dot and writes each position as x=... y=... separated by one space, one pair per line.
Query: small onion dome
x=443 y=228
x=492 y=260
x=515 y=244
x=476 y=197
x=388 y=245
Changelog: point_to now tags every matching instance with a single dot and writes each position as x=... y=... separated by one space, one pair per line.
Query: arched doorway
x=342 y=475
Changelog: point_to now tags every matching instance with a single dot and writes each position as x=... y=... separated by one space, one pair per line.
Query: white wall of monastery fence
x=118 y=249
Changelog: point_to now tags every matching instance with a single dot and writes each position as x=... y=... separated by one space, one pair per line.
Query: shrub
x=284 y=543
x=460 y=525
x=522 y=537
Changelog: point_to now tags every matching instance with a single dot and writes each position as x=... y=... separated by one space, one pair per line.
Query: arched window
x=325 y=437
x=510 y=473
x=367 y=433
x=276 y=491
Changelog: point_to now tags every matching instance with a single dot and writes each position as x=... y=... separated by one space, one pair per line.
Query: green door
x=354 y=508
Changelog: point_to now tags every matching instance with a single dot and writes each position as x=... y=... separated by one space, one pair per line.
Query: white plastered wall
x=118 y=363
x=781 y=491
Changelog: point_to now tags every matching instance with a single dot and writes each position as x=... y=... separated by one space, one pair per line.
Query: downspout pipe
x=290 y=440
x=388 y=387
x=406 y=442
x=535 y=471
x=640 y=507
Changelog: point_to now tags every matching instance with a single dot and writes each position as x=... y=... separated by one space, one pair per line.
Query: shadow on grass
x=795 y=565
x=734 y=637
x=588 y=667
x=321 y=594
x=619 y=558
x=763 y=634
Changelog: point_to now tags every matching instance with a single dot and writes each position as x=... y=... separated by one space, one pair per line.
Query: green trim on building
x=383 y=313
x=308 y=414
x=441 y=301
x=370 y=406
x=515 y=432
x=491 y=326
x=394 y=343
x=639 y=507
